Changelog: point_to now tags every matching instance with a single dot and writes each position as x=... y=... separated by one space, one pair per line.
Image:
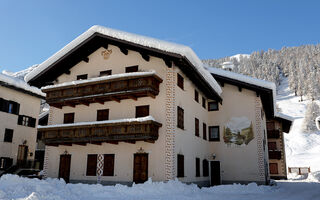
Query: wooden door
x=273 y=168
x=22 y=155
x=64 y=168
x=140 y=168
x=215 y=173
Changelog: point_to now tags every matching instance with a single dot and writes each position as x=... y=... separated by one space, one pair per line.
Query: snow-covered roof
x=140 y=119
x=284 y=116
x=43 y=114
x=20 y=74
x=246 y=79
x=110 y=77
x=18 y=83
x=137 y=39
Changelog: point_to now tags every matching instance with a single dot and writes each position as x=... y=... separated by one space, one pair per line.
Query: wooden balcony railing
x=273 y=134
x=96 y=133
x=100 y=91
x=275 y=154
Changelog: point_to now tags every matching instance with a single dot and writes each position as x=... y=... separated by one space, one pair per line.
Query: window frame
x=104 y=164
x=133 y=68
x=81 y=76
x=180 y=121
x=214 y=139
x=196 y=127
x=180 y=81
x=64 y=118
x=212 y=102
x=100 y=111
x=204 y=102
x=8 y=135
x=204 y=131
x=142 y=114
x=196 y=95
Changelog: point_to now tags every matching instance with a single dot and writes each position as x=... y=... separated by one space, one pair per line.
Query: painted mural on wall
x=238 y=131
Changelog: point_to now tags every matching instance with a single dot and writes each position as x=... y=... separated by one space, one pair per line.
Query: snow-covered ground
x=14 y=187
x=302 y=149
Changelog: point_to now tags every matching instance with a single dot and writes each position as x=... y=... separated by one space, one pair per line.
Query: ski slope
x=302 y=149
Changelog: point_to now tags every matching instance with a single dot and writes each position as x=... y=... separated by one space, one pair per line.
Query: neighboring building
x=19 y=110
x=277 y=155
x=125 y=107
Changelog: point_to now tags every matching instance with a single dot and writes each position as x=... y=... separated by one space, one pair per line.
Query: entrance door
x=215 y=178
x=22 y=155
x=140 y=168
x=64 y=168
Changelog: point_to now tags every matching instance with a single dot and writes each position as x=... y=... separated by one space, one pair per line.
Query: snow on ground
x=302 y=149
x=14 y=187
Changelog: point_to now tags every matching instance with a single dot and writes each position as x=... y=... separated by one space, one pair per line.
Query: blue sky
x=31 y=31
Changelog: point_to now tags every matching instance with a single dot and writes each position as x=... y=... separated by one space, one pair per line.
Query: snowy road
x=14 y=187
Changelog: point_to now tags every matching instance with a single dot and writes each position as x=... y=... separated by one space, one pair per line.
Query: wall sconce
x=65 y=152
x=213 y=156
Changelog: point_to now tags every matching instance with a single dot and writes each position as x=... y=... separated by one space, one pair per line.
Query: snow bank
x=140 y=119
x=14 y=187
x=16 y=82
x=137 y=39
x=110 y=77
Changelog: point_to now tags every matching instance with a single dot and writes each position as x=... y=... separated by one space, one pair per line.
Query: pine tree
x=312 y=112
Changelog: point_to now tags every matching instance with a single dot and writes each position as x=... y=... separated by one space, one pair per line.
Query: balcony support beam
x=115 y=99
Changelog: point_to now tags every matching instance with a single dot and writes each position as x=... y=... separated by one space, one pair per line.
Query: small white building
x=19 y=110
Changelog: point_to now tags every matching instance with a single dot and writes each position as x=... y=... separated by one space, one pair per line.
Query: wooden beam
x=100 y=101
x=124 y=51
x=81 y=143
x=53 y=145
x=145 y=56
x=151 y=95
x=67 y=72
x=150 y=141
x=132 y=97
x=258 y=94
x=84 y=103
x=240 y=89
x=115 y=99
x=56 y=106
x=71 y=104
x=85 y=59
x=113 y=142
x=105 y=45
x=168 y=63
x=130 y=141
x=66 y=144
x=96 y=143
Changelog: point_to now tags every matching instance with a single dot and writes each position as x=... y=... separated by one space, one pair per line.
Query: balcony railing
x=104 y=131
x=273 y=134
x=100 y=90
x=275 y=154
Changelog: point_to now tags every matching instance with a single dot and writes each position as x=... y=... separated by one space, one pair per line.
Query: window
x=180 y=118
x=142 y=111
x=92 y=165
x=26 y=121
x=213 y=105
x=272 y=146
x=197 y=167
x=180 y=81
x=203 y=102
x=103 y=115
x=271 y=126
x=68 y=118
x=132 y=69
x=106 y=73
x=204 y=130
x=273 y=168
x=8 y=134
x=214 y=134
x=9 y=106
x=196 y=95
x=196 y=124
x=108 y=167
x=205 y=167
x=82 y=77
x=180 y=172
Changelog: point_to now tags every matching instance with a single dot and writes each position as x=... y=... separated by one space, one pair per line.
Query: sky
x=31 y=31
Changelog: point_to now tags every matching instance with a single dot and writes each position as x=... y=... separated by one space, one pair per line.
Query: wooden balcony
x=273 y=134
x=99 y=90
x=96 y=133
x=275 y=154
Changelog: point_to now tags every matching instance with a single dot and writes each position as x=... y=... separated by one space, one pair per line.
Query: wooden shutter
x=180 y=81
x=132 y=69
x=204 y=128
x=196 y=124
x=8 y=134
x=205 y=167
x=103 y=115
x=180 y=118
x=92 y=165
x=20 y=119
x=196 y=95
x=108 y=168
x=273 y=168
x=16 y=108
x=203 y=102
x=180 y=167
x=272 y=145
x=197 y=167
x=68 y=118
x=32 y=122
x=142 y=111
